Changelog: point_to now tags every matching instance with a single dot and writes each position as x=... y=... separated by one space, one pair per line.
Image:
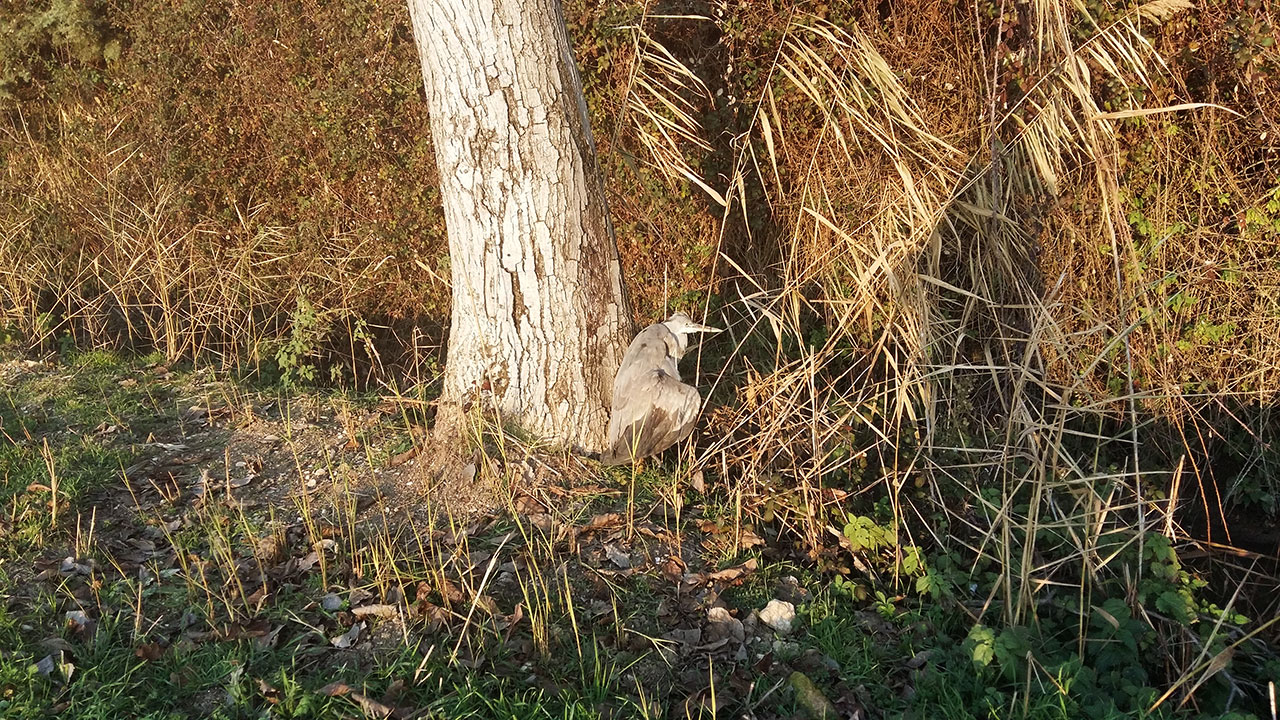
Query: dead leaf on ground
x=258 y=598
x=509 y=622
x=335 y=689
x=735 y=574
x=71 y=566
x=700 y=704
x=617 y=557
x=371 y=708
x=379 y=610
x=603 y=520
x=55 y=644
x=308 y=562
x=268 y=692
x=403 y=457
x=487 y=604
x=673 y=568
x=710 y=526
x=349 y=638
x=150 y=651
x=685 y=636
x=268 y=641
x=436 y=616
x=394 y=692
x=451 y=593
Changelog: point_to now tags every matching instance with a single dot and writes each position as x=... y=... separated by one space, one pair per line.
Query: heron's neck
x=679 y=346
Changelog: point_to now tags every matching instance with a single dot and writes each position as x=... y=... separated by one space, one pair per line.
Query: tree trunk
x=540 y=316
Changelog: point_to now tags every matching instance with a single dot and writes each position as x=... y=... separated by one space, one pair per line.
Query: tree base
x=450 y=468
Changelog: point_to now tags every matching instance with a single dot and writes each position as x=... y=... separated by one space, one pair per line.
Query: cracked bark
x=540 y=316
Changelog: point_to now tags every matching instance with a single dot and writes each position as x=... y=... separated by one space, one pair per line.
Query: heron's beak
x=695 y=327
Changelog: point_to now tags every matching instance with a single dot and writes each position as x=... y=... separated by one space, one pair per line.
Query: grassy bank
x=180 y=544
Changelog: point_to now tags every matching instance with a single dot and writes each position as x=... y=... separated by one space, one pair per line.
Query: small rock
x=331 y=602
x=56 y=667
x=779 y=615
x=70 y=566
x=723 y=626
x=785 y=650
x=790 y=589
x=81 y=623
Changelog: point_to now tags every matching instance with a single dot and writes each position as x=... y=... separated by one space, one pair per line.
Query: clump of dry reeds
x=1005 y=248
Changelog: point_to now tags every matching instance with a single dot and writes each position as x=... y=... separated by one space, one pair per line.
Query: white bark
x=540 y=319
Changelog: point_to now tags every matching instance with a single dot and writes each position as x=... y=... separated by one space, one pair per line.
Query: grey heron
x=652 y=408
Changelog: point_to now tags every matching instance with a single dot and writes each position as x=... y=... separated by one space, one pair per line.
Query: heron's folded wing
x=653 y=413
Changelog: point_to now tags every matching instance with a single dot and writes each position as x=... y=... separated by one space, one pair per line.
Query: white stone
x=779 y=615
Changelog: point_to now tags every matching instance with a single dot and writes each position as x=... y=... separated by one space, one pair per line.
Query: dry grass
x=147 y=200
x=992 y=313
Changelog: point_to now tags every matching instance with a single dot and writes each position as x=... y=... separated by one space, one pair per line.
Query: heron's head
x=682 y=327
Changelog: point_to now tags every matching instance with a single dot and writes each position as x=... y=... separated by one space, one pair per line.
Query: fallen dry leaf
x=617 y=557
x=150 y=651
x=403 y=457
x=510 y=622
x=268 y=640
x=335 y=689
x=487 y=604
x=378 y=610
x=450 y=592
x=436 y=616
x=371 y=707
x=734 y=574
x=394 y=692
x=268 y=692
x=258 y=598
x=349 y=638
x=70 y=566
x=600 y=521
